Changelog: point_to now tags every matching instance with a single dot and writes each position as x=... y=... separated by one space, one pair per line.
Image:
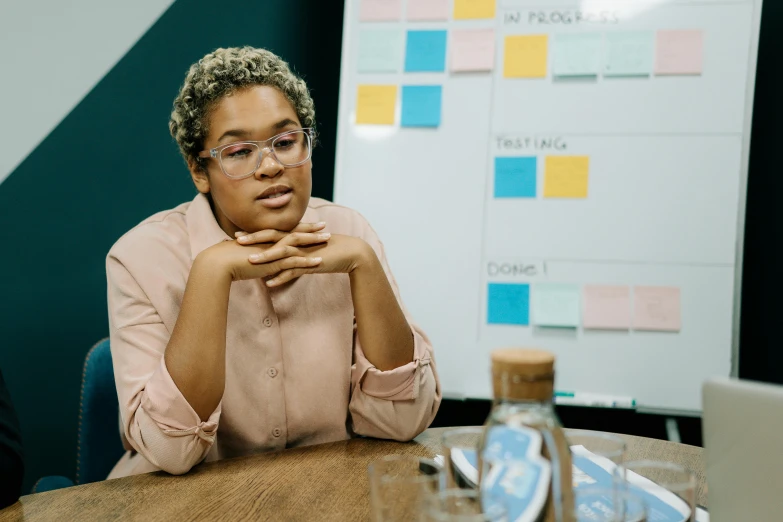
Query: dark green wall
x=108 y=165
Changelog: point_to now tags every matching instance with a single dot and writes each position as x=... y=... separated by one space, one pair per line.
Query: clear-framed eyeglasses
x=241 y=159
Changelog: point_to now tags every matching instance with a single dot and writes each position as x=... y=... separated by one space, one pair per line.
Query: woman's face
x=254 y=114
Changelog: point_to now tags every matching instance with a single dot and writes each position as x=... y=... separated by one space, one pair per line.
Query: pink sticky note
x=679 y=52
x=472 y=50
x=380 y=10
x=606 y=307
x=428 y=10
x=657 y=308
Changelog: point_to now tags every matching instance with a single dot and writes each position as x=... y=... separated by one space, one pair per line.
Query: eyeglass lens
x=242 y=159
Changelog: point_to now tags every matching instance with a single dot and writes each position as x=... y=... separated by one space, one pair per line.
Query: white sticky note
x=555 y=304
x=576 y=54
x=629 y=53
x=380 y=50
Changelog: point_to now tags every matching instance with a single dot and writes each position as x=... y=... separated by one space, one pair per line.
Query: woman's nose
x=269 y=166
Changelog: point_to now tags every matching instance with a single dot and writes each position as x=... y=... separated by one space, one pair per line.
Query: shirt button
x=277 y=432
x=267 y=322
x=272 y=372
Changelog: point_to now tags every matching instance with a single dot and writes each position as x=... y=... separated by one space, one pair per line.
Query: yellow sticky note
x=525 y=56
x=471 y=9
x=566 y=176
x=375 y=104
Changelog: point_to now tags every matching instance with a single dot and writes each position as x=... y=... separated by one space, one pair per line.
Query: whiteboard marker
x=593 y=400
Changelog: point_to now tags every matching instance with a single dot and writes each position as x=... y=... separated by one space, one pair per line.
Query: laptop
x=743 y=443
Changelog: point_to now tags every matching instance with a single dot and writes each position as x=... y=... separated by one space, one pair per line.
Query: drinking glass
x=608 y=505
x=399 y=484
x=464 y=505
x=668 y=489
x=598 y=443
x=460 y=456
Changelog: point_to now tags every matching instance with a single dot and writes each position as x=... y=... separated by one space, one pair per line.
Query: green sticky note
x=556 y=304
x=380 y=50
x=629 y=53
x=576 y=54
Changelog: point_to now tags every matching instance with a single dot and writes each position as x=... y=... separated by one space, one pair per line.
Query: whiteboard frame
x=743 y=188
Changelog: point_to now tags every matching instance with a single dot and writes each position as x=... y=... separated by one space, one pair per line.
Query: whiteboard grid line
x=631 y=262
x=485 y=206
x=505 y=5
x=626 y=134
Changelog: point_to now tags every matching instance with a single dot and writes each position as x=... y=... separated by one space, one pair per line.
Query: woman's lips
x=277 y=199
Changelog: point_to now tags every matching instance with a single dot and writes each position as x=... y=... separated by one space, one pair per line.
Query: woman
x=255 y=317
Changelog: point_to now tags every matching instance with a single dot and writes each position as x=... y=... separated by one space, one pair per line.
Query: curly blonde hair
x=221 y=73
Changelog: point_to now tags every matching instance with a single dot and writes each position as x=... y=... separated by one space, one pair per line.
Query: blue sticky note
x=425 y=51
x=380 y=50
x=421 y=105
x=576 y=54
x=508 y=303
x=556 y=304
x=629 y=53
x=515 y=177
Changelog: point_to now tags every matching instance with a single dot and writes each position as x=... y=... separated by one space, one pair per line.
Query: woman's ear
x=199 y=176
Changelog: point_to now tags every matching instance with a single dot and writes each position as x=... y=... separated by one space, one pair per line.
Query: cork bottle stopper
x=523 y=374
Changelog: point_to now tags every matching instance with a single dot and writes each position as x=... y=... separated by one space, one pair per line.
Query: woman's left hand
x=340 y=255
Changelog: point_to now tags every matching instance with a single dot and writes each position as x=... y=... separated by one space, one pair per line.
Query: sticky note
x=421 y=105
x=380 y=10
x=629 y=53
x=679 y=52
x=375 y=104
x=556 y=304
x=471 y=9
x=525 y=56
x=566 y=176
x=425 y=51
x=576 y=54
x=606 y=307
x=515 y=177
x=472 y=50
x=380 y=50
x=419 y=10
x=508 y=303
x=656 y=308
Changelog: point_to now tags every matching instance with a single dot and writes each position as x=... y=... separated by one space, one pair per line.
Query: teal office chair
x=98 y=442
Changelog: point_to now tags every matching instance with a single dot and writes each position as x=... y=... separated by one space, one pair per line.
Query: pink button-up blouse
x=295 y=371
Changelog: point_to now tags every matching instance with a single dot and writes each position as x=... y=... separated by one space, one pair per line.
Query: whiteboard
x=668 y=162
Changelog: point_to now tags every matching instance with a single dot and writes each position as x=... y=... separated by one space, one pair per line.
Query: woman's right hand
x=231 y=257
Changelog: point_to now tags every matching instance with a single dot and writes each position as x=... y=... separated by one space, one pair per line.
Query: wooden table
x=324 y=482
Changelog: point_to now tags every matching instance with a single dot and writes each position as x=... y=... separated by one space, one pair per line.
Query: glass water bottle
x=524 y=452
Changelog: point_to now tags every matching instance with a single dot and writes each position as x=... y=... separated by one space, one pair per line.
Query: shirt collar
x=203 y=228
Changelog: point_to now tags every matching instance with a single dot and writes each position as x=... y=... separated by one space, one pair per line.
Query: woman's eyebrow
x=245 y=134
x=283 y=123
x=234 y=133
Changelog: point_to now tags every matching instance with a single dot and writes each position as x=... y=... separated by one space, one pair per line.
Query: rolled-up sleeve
x=400 y=403
x=158 y=422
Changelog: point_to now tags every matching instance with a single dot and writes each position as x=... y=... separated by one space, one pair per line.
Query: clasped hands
x=279 y=257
